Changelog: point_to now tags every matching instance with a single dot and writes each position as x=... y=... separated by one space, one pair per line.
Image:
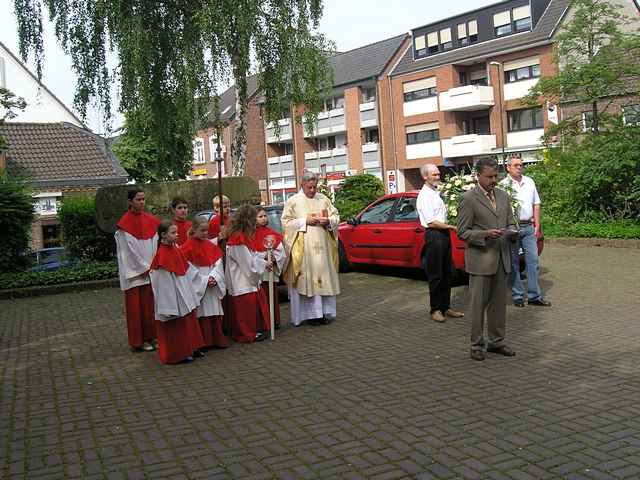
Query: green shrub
x=16 y=217
x=80 y=272
x=82 y=237
x=615 y=229
x=356 y=193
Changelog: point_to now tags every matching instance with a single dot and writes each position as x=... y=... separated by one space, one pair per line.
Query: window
x=277 y=197
x=378 y=213
x=522 y=18
x=422 y=133
x=420 y=89
x=332 y=103
x=522 y=73
x=370 y=136
x=406 y=210
x=587 y=121
x=467 y=33
x=326 y=143
x=420 y=46
x=631 y=114
x=502 y=23
x=445 y=39
x=525 y=119
x=368 y=94
x=198 y=150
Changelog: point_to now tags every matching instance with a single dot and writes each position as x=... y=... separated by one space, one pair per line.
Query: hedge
x=622 y=229
x=82 y=237
x=80 y=272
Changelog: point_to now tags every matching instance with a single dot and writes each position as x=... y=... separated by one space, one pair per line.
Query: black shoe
x=518 y=303
x=540 y=302
x=315 y=322
x=260 y=337
x=187 y=360
x=477 y=355
x=198 y=354
x=326 y=320
x=506 y=351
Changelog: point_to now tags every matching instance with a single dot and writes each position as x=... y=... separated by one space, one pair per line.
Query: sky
x=349 y=23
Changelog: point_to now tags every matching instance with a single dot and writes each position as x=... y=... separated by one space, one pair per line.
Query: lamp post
x=500 y=83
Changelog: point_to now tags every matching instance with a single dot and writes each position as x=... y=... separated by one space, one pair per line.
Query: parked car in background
x=388 y=232
x=50 y=259
x=274 y=212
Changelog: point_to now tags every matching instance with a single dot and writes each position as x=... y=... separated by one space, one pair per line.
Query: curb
x=56 y=289
x=595 y=242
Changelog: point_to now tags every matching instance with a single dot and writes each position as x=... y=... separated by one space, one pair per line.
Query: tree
x=8 y=104
x=82 y=237
x=16 y=216
x=357 y=192
x=172 y=54
x=597 y=59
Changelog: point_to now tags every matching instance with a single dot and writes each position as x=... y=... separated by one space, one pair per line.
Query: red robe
x=261 y=233
x=203 y=253
x=183 y=230
x=138 y=301
x=214 y=226
x=179 y=337
x=250 y=311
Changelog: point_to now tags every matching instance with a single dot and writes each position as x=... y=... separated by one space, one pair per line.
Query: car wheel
x=343 y=262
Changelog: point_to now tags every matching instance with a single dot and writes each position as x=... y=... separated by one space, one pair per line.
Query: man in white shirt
x=433 y=217
x=529 y=220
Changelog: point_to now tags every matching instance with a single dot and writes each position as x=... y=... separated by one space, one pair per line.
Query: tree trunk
x=239 y=144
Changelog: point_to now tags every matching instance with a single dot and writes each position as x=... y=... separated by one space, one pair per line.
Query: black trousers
x=439 y=268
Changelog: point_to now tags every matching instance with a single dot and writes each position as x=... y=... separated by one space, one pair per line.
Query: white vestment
x=244 y=270
x=278 y=257
x=313 y=279
x=211 y=303
x=134 y=258
x=176 y=295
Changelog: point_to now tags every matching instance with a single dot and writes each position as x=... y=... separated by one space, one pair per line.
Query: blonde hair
x=216 y=201
x=196 y=223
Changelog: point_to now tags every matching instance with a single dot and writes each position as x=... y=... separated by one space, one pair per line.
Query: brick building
x=58 y=159
x=448 y=94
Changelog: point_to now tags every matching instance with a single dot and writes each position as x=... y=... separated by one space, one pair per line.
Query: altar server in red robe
x=244 y=269
x=136 y=242
x=214 y=224
x=180 y=210
x=177 y=290
x=262 y=233
x=207 y=258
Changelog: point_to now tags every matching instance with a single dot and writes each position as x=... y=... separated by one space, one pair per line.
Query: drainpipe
x=393 y=134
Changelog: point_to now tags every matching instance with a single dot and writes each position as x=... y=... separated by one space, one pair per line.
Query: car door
x=364 y=239
x=402 y=235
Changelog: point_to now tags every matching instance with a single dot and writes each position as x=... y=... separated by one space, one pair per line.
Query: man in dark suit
x=486 y=224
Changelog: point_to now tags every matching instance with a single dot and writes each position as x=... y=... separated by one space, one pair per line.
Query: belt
x=525 y=222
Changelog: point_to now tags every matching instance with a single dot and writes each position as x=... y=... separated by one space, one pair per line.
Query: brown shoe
x=438 y=317
x=454 y=313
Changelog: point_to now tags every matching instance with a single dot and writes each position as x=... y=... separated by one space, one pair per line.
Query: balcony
x=281 y=166
x=467 y=98
x=285 y=131
x=468 y=145
x=371 y=155
x=329 y=123
x=368 y=115
x=335 y=160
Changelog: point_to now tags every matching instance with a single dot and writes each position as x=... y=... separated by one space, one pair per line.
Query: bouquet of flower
x=451 y=190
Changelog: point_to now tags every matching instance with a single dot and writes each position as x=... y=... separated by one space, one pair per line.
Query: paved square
x=382 y=393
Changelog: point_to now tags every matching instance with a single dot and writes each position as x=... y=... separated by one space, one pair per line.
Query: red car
x=388 y=232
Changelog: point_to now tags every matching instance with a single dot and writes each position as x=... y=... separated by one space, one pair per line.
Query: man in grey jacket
x=486 y=224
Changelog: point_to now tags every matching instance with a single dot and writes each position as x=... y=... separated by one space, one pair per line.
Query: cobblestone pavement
x=382 y=393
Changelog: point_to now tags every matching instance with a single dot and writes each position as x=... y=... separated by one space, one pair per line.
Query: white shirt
x=430 y=206
x=527 y=194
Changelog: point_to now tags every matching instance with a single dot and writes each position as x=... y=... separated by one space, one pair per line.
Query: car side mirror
x=353 y=221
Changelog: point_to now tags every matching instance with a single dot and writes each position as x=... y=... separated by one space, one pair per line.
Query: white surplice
x=244 y=270
x=278 y=258
x=211 y=303
x=176 y=295
x=134 y=259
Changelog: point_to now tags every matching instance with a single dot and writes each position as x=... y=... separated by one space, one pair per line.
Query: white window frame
x=198 y=151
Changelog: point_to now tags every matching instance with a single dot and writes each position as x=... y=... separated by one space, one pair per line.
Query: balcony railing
x=468 y=145
x=329 y=122
x=467 y=98
x=335 y=160
x=368 y=115
x=370 y=155
x=285 y=131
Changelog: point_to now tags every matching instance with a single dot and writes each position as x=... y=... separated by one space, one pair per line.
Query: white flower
x=454 y=196
x=458 y=182
x=468 y=178
x=467 y=187
x=453 y=211
x=448 y=186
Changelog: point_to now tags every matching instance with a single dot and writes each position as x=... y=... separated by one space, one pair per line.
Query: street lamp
x=219 y=161
x=500 y=80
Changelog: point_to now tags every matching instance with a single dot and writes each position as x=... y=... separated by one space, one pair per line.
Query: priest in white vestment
x=311 y=237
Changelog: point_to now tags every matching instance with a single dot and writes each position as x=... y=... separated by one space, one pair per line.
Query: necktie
x=492 y=199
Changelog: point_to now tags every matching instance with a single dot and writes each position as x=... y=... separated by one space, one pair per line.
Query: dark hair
x=178 y=201
x=243 y=221
x=132 y=192
x=164 y=228
x=486 y=163
x=259 y=209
